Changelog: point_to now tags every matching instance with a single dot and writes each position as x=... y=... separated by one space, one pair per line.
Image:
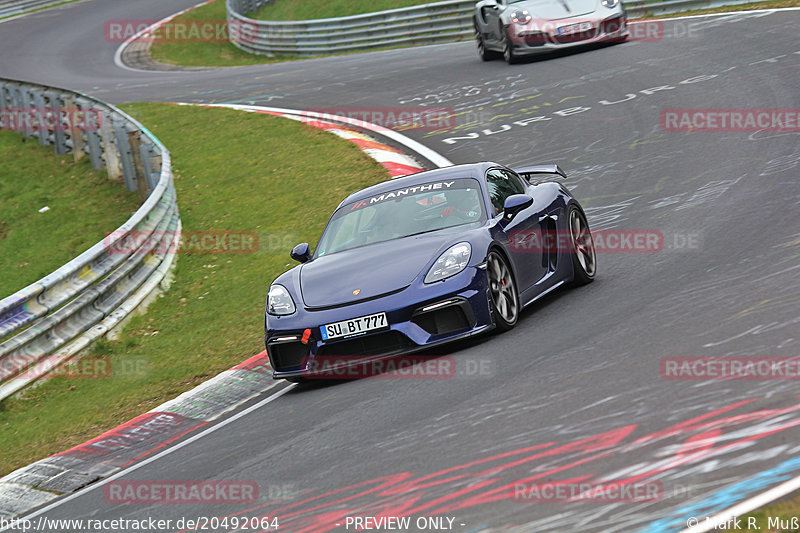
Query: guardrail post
x=124 y=151
x=5 y=112
x=138 y=163
x=57 y=107
x=38 y=103
x=75 y=133
x=110 y=153
x=92 y=137
x=24 y=106
x=13 y=96
x=155 y=162
x=147 y=150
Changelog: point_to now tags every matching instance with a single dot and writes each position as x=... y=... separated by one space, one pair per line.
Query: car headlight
x=522 y=17
x=279 y=301
x=450 y=263
x=610 y=3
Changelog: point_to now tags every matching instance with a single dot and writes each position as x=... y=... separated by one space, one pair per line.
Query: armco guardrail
x=56 y=317
x=425 y=24
x=17 y=7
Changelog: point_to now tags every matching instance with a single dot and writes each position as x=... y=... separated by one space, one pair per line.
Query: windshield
x=402 y=212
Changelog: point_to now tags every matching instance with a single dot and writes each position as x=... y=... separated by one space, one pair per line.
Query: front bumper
x=532 y=38
x=420 y=316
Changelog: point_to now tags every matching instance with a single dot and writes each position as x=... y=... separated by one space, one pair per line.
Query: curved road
x=577 y=392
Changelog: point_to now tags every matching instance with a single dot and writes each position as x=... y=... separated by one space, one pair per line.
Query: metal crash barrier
x=50 y=320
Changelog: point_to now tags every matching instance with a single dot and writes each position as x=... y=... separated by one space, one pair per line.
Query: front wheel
x=508 y=48
x=503 y=290
x=484 y=53
x=584 y=258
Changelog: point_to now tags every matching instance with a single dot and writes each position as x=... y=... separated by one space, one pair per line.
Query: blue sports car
x=426 y=259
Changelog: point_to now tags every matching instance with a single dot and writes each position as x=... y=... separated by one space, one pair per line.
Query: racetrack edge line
x=159 y=455
x=428 y=153
x=751 y=504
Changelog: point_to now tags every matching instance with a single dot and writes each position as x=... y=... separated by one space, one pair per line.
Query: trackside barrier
x=433 y=23
x=62 y=313
x=16 y=7
x=426 y=24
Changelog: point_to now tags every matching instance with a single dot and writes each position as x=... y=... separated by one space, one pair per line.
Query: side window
x=502 y=184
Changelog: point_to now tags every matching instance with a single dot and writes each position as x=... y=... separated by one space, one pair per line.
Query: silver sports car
x=513 y=28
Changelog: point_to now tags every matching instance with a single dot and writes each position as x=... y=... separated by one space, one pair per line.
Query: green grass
x=322 y=9
x=84 y=206
x=211 y=54
x=234 y=171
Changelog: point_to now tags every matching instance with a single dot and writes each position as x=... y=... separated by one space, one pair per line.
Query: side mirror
x=301 y=252
x=516 y=203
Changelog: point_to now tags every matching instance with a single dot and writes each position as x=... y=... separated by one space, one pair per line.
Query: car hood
x=559 y=9
x=373 y=270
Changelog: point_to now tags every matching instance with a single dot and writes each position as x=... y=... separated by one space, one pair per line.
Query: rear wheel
x=584 y=258
x=503 y=290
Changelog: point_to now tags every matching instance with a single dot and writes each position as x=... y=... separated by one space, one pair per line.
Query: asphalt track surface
x=576 y=391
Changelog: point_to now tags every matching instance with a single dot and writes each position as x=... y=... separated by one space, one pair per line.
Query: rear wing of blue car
x=529 y=171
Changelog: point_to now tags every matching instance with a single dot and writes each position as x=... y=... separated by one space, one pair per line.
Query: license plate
x=579 y=27
x=354 y=326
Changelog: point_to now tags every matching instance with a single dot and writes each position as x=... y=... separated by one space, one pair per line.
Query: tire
x=508 y=48
x=584 y=257
x=502 y=291
x=484 y=53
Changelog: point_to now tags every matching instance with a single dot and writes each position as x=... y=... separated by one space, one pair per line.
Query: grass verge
x=200 y=54
x=234 y=171
x=84 y=206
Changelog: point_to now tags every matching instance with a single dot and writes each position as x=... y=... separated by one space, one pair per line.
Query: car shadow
x=566 y=52
x=436 y=358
